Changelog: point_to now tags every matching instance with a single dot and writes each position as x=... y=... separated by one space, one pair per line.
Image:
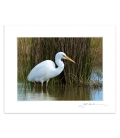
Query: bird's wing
x=39 y=73
x=39 y=70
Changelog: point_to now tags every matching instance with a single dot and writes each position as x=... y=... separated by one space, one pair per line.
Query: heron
x=46 y=70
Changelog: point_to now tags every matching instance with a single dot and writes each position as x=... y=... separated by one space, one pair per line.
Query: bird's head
x=62 y=55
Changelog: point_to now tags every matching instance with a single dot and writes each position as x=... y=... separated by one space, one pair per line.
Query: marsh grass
x=86 y=52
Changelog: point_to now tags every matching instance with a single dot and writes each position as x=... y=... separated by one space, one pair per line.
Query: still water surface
x=28 y=92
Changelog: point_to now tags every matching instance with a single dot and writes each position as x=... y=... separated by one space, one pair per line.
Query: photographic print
x=59 y=69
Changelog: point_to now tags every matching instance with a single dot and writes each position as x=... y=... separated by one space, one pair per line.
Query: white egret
x=46 y=69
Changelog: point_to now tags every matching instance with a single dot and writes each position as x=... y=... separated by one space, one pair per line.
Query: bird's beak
x=69 y=59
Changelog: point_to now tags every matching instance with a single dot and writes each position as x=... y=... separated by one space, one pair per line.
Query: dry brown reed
x=32 y=51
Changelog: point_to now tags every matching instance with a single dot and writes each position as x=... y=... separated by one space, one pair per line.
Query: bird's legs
x=42 y=84
x=34 y=83
x=47 y=83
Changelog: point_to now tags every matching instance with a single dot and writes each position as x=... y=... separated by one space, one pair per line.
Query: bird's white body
x=46 y=69
x=43 y=71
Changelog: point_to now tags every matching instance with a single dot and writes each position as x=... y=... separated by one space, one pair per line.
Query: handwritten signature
x=90 y=104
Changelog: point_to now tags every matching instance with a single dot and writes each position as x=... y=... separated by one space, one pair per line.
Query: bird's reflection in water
x=48 y=93
x=38 y=93
x=31 y=92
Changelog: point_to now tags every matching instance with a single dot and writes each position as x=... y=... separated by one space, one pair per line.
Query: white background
x=60 y=13
x=11 y=103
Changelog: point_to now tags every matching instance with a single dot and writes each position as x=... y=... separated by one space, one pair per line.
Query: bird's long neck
x=60 y=65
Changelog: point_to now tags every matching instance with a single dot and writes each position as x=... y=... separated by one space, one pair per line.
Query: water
x=29 y=92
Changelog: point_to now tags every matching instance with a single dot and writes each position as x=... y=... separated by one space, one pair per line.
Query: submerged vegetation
x=86 y=52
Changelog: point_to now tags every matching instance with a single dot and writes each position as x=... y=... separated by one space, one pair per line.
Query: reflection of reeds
x=32 y=51
x=29 y=91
